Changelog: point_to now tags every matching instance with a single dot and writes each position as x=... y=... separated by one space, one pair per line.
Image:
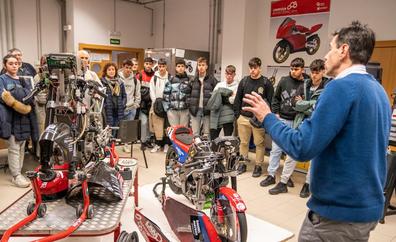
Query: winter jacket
x=145 y=78
x=221 y=111
x=262 y=86
x=233 y=87
x=305 y=107
x=114 y=103
x=177 y=93
x=22 y=126
x=209 y=83
x=285 y=93
x=132 y=89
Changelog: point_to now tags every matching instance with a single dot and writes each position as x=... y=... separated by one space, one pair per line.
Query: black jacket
x=284 y=97
x=262 y=86
x=209 y=83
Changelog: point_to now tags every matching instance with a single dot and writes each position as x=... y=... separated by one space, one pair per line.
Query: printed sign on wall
x=299 y=28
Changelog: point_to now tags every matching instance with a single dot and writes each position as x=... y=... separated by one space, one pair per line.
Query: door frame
x=139 y=51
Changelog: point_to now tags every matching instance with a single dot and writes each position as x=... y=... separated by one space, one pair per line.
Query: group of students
x=159 y=100
x=292 y=101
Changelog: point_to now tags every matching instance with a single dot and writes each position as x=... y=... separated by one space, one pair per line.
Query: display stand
x=258 y=230
x=61 y=215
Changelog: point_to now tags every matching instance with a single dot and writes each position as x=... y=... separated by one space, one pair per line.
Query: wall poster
x=298 y=28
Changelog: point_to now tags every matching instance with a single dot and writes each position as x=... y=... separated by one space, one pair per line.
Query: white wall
x=379 y=15
x=93 y=19
x=186 y=24
x=26 y=28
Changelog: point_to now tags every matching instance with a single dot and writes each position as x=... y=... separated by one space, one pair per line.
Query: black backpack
x=158 y=108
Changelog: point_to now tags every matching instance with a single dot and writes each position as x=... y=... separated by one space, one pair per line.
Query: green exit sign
x=115 y=41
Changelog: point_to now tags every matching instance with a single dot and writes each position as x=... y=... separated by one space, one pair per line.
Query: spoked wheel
x=312 y=45
x=170 y=166
x=281 y=51
x=230 y=225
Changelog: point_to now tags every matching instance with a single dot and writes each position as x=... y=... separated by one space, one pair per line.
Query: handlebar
x=32 y=94
x=94 y=86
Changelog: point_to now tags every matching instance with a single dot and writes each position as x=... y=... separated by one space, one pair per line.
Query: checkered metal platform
x=60 y=215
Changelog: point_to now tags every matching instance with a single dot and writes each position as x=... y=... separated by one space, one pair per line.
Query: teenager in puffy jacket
x=20 y=122
x=177 y=95
x=201 y=90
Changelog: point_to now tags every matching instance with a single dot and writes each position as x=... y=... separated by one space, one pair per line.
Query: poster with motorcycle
x=298 y=28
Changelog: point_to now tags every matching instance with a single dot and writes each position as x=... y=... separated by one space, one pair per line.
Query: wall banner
x=298 y=28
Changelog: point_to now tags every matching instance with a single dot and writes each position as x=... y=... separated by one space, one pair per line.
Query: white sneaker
x=155 y=149
x=166 y=147
x=20 y=181
x=126 y=149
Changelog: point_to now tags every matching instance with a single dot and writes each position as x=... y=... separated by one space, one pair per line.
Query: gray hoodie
x=132 y=92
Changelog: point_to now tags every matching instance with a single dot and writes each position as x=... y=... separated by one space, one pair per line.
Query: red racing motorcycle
x=295 y=38
x=201 y=170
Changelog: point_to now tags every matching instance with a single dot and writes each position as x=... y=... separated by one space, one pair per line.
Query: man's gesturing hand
x=259 y=107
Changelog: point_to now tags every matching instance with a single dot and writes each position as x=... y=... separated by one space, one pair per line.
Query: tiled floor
x=285 y=210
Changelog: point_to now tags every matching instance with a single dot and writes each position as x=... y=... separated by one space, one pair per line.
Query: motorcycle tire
x=240 y=228
x=172 y=156
x=283 y=46
x=313 y=40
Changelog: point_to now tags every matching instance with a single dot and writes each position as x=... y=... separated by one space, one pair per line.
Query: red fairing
x=59 y=184
x=210 y=229
x=234 y=198
x=285 y=30
x=150 y=231
x=315 y=28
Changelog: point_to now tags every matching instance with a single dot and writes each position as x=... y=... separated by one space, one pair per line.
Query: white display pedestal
x=258 y=230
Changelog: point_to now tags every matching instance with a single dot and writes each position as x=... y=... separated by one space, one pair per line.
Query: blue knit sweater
x=347 y=137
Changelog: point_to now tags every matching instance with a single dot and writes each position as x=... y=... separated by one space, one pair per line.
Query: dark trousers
x=228 y=129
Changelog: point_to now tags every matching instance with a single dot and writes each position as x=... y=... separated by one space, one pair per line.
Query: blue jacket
x=114 y=103
x=347 y=137
x=21 y=126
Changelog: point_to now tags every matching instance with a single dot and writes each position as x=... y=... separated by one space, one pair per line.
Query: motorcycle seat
x=185 y=138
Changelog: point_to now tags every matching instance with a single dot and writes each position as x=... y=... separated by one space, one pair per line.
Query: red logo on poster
x=297 y=7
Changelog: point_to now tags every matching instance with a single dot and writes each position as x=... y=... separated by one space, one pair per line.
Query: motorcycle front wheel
x=281 y=51
x=171 y=159
x=313 y=44
x=230 y=225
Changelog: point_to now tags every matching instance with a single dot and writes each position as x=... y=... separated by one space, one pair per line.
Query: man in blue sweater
x=346 y=137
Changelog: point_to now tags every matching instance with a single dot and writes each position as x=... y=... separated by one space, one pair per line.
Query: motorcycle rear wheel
x=281 y=51
x=171 y=160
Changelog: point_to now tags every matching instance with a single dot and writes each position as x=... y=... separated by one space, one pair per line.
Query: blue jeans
x=129 y=114
x=275 y=156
